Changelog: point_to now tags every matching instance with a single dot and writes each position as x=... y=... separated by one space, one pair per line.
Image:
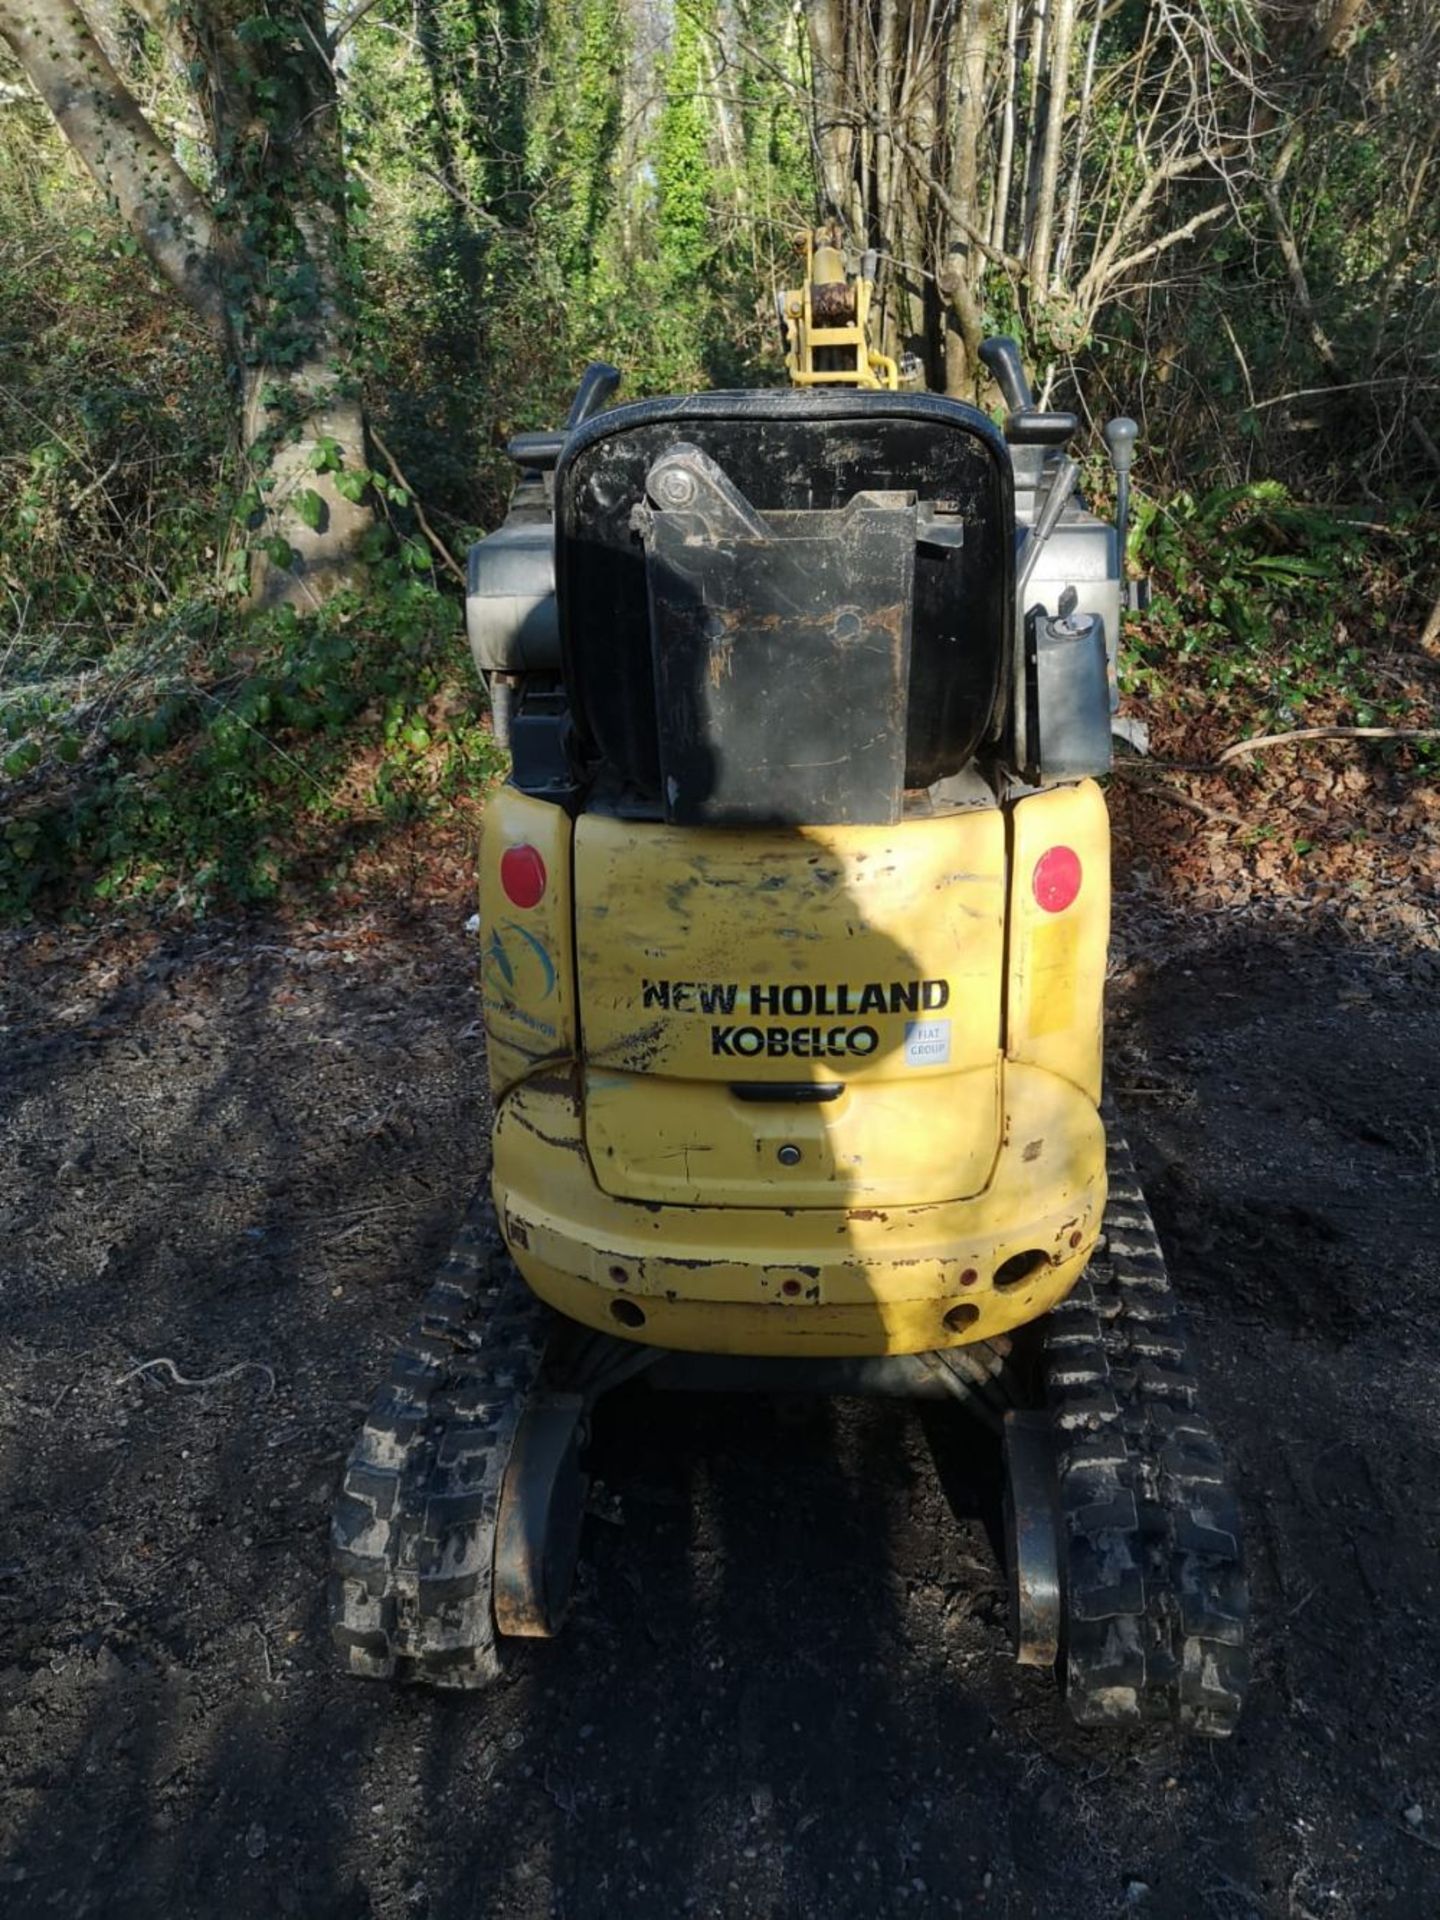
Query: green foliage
x=155 y=745
x=516 y=188
x=113 y=430
x=1260 y=594
x=574 y=134
x=685 y=218
x=251 y=755
x=497 y=265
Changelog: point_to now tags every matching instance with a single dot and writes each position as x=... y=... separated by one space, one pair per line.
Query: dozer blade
x=1032 y=1539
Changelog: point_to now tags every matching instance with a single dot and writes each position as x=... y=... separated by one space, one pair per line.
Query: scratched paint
x=517 y=967
x=526 y=978
x=626 y=1151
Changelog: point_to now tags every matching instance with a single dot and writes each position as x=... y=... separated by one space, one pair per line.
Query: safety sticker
x=927 y=1043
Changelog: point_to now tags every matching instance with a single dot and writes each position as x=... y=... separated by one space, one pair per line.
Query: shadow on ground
x=785 y=1689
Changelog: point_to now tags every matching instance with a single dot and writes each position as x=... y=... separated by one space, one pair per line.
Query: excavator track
x=413 y=1530
x=1154 y=1611
x=1128 y=1518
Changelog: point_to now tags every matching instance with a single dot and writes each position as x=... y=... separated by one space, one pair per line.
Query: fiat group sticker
x=927 y=1043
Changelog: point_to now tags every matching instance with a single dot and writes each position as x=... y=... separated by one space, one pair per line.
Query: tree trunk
x=267 y=276
x=1066 y=241
x=834 y=134
x=893 y=241
x=911 y=227
x=1009 y=101
x=964 y=268
x=290 y=422
x=1057 y=83
x=101 y=119
x=270 y=105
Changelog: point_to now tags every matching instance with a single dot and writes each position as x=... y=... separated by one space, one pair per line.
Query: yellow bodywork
x=766 y=958
x=949 y=1184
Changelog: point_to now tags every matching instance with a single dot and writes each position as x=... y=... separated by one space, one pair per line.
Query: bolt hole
x=961 y=1317
x=790 y=1287
x=969 y=1276
x=619 y=1276
x=1019 y=1268
x=627 y=1313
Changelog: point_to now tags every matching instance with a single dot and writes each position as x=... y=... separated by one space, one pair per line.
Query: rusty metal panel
x=799 y=1280
x=781 y=651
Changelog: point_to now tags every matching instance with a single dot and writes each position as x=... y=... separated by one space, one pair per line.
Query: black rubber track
x=1156 y=1604
x=412 y=1537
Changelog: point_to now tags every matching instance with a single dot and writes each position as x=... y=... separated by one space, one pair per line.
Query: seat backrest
x=785 y=606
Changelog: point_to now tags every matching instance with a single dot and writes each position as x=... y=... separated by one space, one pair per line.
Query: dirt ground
x=784 y=1690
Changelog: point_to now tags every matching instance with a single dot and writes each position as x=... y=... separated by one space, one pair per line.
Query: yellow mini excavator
x=794 y=915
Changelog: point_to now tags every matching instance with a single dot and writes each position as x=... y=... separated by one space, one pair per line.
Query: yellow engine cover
x=720 y=967
x=647 y=986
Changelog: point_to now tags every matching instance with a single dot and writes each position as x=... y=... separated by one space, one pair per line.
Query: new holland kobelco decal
x=845 y=1006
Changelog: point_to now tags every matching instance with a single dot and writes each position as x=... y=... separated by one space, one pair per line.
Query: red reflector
x=522 y=875
x=1056 y=879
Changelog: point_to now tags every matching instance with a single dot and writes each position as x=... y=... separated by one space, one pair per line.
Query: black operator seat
x=783 y=607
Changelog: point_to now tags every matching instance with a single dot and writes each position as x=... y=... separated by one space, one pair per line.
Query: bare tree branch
x=1243 y=748
x=351 y=20
x=955 y=212
x=1173 y=239
x=451 y=564
x=1048 y=157
x=1101 y=272
x=1300 y=285
x=1180 y=799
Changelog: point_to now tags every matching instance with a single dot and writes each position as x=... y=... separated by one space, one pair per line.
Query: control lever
x=1001 y=355
x=1029 y=427
x=1120 y=437
x=597 y=383
x=541 y=451
x=1062 y=484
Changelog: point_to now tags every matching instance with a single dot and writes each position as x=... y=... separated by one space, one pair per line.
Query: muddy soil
x=784 y=1690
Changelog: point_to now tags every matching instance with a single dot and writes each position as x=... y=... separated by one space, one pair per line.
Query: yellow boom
x=826 y=321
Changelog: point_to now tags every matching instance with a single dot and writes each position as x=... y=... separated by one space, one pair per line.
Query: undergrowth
x=158 y=745
x=1279 y=613
x=233 y=760
x=207 y=758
